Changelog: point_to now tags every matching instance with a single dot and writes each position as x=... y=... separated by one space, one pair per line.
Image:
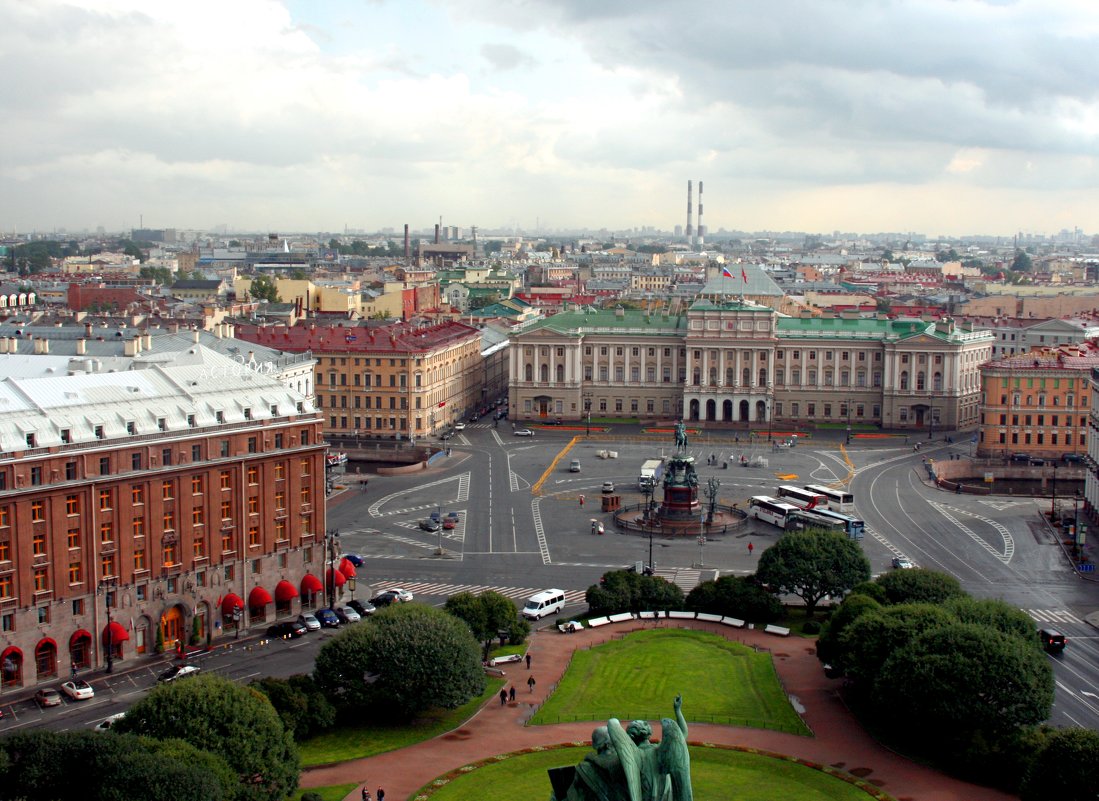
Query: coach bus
x=840 y=501
x=803 y=498
x=852 y=526
x=770 y=510
x=804 y=518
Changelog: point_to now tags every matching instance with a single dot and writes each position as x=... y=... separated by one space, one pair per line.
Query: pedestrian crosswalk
x=443 y=589
x=1053 y=616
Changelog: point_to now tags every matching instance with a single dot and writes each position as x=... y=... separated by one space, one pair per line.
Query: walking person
x=528 y=661
x=750 y=548
x=381 y=794
x=503 y=696
x=530 y=683
x=366 y=793
x=511 y=694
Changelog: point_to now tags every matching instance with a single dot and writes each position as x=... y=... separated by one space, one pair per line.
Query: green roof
x=626 y=320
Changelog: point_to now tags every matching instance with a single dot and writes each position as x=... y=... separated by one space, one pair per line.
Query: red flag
x=726 y=272
x=744 y=275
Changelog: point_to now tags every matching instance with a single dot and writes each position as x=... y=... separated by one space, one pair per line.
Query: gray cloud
x=505 y=56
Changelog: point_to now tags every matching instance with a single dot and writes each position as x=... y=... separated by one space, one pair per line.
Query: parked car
x=353 y=558
x=524 y=432
x=555 y=421
x=449 y=523
x=350 y=614
x=1073 y=457
x=364 y=608
x=78 y=690
x=177 y=672
x=1024 y=458
x=608 y=487
x=403 y=595
x=1052 y=641
x=453 y=516
x=288 y=628
x=108 y=723
x=1036 y=462
x=902 y=563
x=428 y=524
x=328 y=618
x=310 y=621
x=48 y=696
x=340 y=616
x=459 y=426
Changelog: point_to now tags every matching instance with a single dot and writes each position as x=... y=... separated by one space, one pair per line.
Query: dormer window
x=99 y=432
x=274 y=411
x=131 y=428
x=219 y=416
x=31 y=440
x=162 y=423
x=190 y=421
x=66 y=436
x=247 y=413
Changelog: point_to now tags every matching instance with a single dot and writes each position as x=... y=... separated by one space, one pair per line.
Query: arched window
x=713 y=376
x=528 y=372
x=746 y=376
x=937 y=382
x=560 y=373
x=921 y=381
x=45 y=658
x=543 y=373
x=904 y=379
x=730 y=376
x=697 y=378
x=11 y=667
x=763 y=376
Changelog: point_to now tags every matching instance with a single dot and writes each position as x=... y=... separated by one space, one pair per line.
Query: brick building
x=146 y=504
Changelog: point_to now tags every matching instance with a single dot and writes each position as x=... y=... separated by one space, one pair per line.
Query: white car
x=459 y=426
x=177 y=672
x=108 y=723
x=902 y=563
x=78 y=690
x=349 y=613
x=403 y=595
x=524 y=432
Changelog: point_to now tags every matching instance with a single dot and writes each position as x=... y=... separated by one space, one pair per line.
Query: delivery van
x=547 y=602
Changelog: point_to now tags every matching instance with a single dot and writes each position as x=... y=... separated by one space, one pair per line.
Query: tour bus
x=803 y=518
x=852 y=526
x=770 y=510
x=840 y=501
x=803 y=498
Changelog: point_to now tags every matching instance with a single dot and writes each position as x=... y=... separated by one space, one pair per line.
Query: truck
x=651 y=473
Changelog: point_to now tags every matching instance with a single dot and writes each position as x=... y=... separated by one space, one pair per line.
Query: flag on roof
x=744 y=275
x=726 y=272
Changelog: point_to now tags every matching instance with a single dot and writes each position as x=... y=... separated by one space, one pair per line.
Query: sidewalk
x=839 y=741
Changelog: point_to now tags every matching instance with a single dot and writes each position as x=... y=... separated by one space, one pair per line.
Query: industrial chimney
x=407 y=251
x=690 y=212
x=437 y=233
x=701 y=237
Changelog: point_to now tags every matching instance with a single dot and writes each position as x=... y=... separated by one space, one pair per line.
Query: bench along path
x=839 y=740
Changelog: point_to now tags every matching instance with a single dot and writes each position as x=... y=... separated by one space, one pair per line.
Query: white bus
x=852 y=526
x=840 y=501
x=803 y=519
x=770 y=510
x=803 y=498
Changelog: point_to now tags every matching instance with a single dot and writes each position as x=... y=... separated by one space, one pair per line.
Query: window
x=72 y=505
x=75 y=573
x=166 y=491
x=253 y=537
x=106 y=568
x=253 y=475
x=226 y=541
x=36 y=476
x=280 y=471
x=41 y=579
x=138 y=527
x=38 y=511
x=305 y=467
x=73 y=538
x=104 y=465
x=280 y=500
x=104 y=500
x=226 y=480
x=5 y=550
x=226 y=510
x=6 y=588
x=200 y=550
x=253 y=506
x=38 y=544
x=70 y=471
x=198 y=516
x=224 y=448
x=135 y=461
x=106 y=531
x=169 y=554
x=139 y=558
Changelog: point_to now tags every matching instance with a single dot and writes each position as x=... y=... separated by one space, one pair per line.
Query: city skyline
x=947 y=118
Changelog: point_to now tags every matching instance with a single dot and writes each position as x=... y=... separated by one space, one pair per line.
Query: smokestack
x=690 y=212
x=701 y=238
x=436 y=233
x=407 y=252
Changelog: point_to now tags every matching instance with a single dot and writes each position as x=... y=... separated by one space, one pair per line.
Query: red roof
x=395 y=338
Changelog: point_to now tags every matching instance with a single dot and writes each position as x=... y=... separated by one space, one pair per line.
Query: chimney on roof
x=129 y=347
x=81 y=346
x=87 y=329
x=147 y=341
x=196 y=336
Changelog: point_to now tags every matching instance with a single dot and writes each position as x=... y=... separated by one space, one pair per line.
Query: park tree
x=628 y=591
x=962 y=680
x=993 y=613
x=918 y=585
x=264 y=288
x=812 y=564
x=237 y=723
x=487 y=615
x=868 y=640
x=1022 y=262
x=41 y=764
x=300 y=704
x=162 y=275
x=403 y=660
x=853 y=607
x=735 y=596
x=1064 y=767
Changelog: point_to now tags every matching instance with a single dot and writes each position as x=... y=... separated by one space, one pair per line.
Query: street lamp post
x=351 y=586
x=1053 y=501
x=930 y=416
x=848 y=421
x=770 y=418
x=331 y=545
x=587 y=412
x=109 y=585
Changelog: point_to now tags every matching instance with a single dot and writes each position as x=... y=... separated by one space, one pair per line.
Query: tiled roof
x=394 y=338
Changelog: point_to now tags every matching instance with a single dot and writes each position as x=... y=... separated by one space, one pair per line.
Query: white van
x=547 y=602
x=574 y=466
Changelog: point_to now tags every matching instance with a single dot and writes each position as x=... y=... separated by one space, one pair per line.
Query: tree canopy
x=1065 y=767
x=812 y=564
x=735 y=596
x=300 y=704
x=264 y=288
x=918 y=586
x=404 y=659
x=1022 y=262
x=627 y=591
x=487 y=615
x=237 y=723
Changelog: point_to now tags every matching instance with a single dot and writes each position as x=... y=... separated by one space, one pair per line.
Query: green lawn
x=352 y=742
x=334 y=792
x=639 y=676
x=717 y=774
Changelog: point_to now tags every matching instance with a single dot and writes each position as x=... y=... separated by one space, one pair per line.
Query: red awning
x=311 y=584
x=79 y=635
x=258 y=597
x=229 y=603
x=336 y=576
x=347 y=568
x=117 y=631
x=47 y=641
x=285 y=591
x=11 y=650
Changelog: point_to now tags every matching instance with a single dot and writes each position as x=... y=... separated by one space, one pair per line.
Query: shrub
x=811 y=627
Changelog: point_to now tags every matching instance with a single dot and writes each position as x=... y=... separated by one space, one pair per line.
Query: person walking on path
x=366 y=793
x=511 y=694
x=528 y=661
x=503 y=696
x=750 y=548
x=531 y=683
x=381 y=794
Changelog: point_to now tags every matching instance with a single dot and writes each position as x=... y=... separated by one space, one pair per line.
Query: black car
x=430 y=525
x=340 y=616
x=364 y=608
x=290 y=629
x=385 y=598
x=1052 y=641
x=1021 y=458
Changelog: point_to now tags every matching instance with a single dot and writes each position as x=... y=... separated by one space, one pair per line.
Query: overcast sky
x=934 y=116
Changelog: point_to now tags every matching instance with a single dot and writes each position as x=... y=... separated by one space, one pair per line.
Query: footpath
x=838 y=739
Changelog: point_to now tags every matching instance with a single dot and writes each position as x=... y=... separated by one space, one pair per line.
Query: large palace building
x=744 y=364
x=146 y=504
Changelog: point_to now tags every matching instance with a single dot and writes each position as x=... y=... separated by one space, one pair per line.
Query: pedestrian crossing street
x=1053 y=616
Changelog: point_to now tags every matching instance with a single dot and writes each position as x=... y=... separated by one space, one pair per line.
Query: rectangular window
x=280 y=471
x=36 y=476
x=104 y=500
x=137 y=494
x=104 y=465
x=106 y=567
x=198 y=516
x=253 y=506
x=169 y=554
x=138 y=527
x=72 y=505
x=226 y=510
x=73 y=538
x=38 y=544
x=106 y=531
x=226 y=541
x=70 y=471
x=135 y=461
x=6 y=590
x=226 y=480
x=224 y=448
x=196 y=485
x=139 y=559
x=5 y=550
x=253 y=475
x=41 y=579
x=78 y=607
x=38 y=511
x=75 y=573
x=200 y=548
x=253 y=536
x=166 y=491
